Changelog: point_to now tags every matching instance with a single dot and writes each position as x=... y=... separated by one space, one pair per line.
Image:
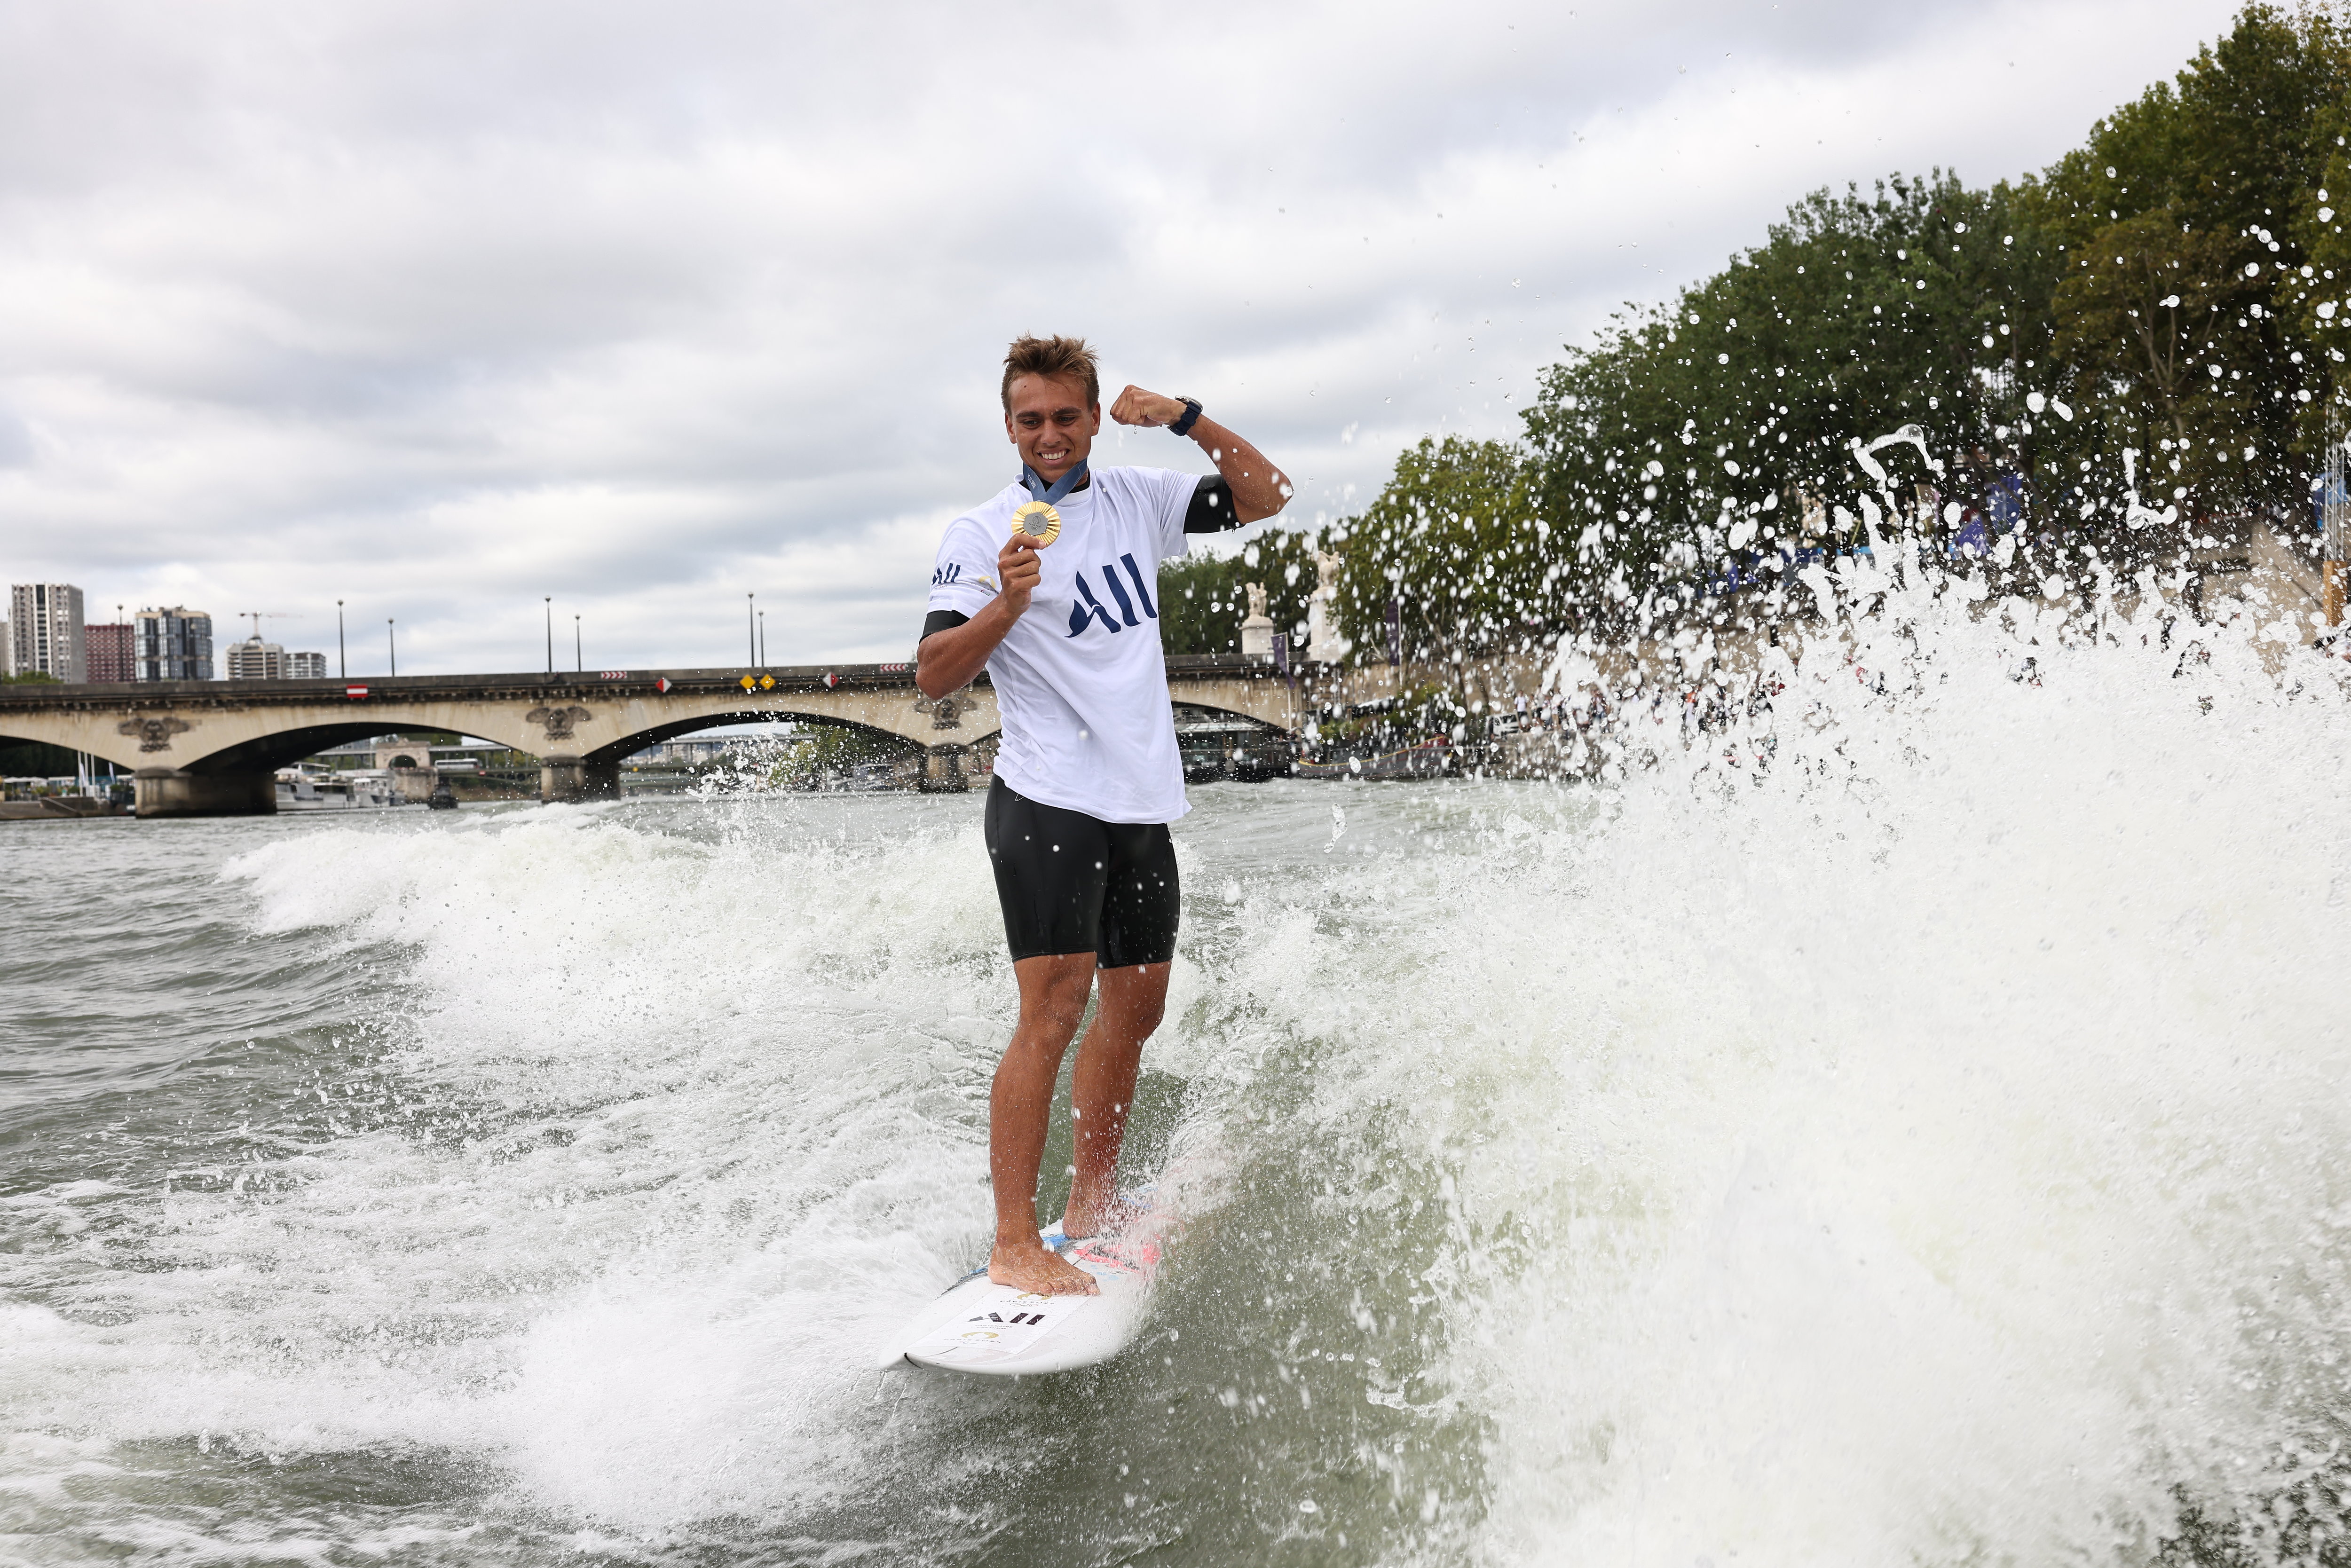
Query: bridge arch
x=599 y=770
x=1186 y=707
x=282 y=747
x=614 y=752
x=124 y=756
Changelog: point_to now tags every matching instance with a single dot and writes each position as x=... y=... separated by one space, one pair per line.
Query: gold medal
x=1039 y=521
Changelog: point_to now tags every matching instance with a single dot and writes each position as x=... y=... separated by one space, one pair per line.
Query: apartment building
x=44 y=631
x=254 y=660
x=174 y=644
x=110 y=652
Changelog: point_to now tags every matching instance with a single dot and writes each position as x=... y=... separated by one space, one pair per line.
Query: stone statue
x=1814 y=515
x=1257 y=632
x=1324 y=645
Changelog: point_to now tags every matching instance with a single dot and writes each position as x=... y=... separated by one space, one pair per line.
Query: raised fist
x=1148 y=409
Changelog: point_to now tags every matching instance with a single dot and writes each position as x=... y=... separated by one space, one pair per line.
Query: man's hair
x=1055 y=358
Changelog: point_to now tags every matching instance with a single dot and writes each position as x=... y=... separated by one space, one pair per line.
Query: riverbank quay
x=61 y=807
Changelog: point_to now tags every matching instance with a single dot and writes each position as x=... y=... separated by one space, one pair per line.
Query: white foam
x=1929 y=1149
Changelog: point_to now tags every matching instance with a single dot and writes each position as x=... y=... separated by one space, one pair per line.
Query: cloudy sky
x=441 y=308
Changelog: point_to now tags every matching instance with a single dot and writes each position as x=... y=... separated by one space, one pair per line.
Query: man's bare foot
x=1035 y=1267
x=1082 y=1220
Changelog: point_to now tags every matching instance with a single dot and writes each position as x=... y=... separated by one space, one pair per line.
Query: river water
x=1927 y=1147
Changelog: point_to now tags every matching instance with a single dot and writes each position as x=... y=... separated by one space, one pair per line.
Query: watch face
x=1039 y=521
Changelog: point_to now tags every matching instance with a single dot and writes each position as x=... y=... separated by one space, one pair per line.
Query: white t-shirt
x=1079 y=679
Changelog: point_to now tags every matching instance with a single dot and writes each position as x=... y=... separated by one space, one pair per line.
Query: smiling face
x=1052 y=424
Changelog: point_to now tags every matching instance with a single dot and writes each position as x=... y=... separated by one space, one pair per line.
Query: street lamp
x=763 y=639
x=751 y=626
x=391 y=644
x=550 y=634
x=579 y=664
x=342 y=660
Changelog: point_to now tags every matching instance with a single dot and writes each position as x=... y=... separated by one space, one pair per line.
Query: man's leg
x=1142 y=908
x=1053 y=990
x=1101 y=1089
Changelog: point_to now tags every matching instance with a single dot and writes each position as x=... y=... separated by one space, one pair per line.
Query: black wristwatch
x=1191 y=417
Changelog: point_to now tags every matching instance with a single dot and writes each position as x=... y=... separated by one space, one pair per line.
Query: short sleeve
x=963 y=577
x=1172 y=494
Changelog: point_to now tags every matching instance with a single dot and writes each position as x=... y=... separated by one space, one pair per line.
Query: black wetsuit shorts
x=1074 y=883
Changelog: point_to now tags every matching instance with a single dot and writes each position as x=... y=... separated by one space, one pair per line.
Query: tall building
x=109 y=651
x=174 y=644
x=254 y=660
x=45 y=630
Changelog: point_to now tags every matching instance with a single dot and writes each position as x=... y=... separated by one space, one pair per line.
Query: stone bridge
x=213 y=748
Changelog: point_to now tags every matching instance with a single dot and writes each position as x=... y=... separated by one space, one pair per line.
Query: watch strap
x=1191 y=417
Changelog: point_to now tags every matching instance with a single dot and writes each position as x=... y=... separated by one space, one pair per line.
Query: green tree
x=830 y=752
x=2182 y=223
x=1922 y=304
x=35 y=759
x=2320 y=291
x=1454 y=540
x=2143 y=324
x=1202 y=602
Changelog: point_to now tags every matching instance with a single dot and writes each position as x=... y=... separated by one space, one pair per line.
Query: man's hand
x=1148 y=409
x=951 y=660
x=1016 y=572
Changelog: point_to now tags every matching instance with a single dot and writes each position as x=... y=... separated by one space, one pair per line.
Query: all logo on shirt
x=1089 y=609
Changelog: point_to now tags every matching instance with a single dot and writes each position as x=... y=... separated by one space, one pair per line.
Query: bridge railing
x=708 y=682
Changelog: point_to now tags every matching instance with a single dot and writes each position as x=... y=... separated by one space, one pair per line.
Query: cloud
x=441 y=308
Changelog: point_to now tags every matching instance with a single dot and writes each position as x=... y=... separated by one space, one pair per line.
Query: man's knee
x=1135 y=1000
x=1055 y=1003
x=1053 y=1025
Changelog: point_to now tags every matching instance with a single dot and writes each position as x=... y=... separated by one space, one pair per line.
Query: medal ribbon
x=1034 y=482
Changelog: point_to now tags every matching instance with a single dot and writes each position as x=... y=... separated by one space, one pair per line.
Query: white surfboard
x=999 y=1331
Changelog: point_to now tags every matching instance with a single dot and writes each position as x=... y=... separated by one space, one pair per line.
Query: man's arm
x=951 y=659
x=1260 y=489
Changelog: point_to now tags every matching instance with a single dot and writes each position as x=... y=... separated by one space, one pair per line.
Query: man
x=1087 y=774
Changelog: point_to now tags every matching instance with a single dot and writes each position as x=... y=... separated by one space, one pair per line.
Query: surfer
x=1052 y=585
